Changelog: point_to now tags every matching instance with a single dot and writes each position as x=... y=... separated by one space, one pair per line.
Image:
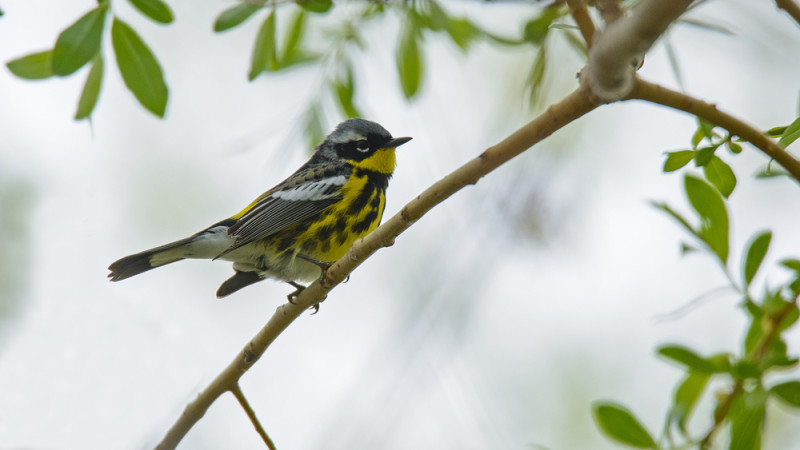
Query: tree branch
x=577 y=8
x=236 y=390
x=790 y=7
x=573 y=106
x=618 y=51
x=654 y=93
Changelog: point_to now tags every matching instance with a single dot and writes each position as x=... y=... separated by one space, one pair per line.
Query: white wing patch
x=317 y=190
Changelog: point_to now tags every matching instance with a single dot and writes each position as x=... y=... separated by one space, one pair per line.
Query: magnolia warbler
x=299 y=226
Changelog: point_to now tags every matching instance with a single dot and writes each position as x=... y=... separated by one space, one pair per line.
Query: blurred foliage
x=16 y=200
x=741 y=406
x=79 y=45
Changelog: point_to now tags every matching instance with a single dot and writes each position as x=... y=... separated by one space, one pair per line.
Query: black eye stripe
x=362 y=145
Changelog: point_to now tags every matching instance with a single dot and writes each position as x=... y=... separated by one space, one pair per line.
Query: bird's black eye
x=362 y=145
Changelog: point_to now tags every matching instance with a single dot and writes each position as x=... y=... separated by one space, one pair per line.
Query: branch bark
x=654 y=93
x=618 y=51
x=577 y=8
x=791 y=8
x=557 y=115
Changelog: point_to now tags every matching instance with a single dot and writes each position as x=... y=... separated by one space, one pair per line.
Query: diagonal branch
x=654 y=93
x=573 y=106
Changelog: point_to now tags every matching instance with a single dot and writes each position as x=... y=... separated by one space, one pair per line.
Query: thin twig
x=654 y=93
x=236 y=390
x=577 y=8
x=774 y=326
x=720 y=413
x=790 y=7
x=573 y=106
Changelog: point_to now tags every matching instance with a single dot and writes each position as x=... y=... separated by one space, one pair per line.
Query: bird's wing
x=300 y=197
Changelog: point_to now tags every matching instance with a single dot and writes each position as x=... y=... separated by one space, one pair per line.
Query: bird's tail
x=150 y=259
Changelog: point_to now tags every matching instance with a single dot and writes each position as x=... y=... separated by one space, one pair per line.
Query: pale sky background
x=494 y=322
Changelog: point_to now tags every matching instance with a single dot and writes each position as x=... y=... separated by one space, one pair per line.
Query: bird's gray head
x=356 y=140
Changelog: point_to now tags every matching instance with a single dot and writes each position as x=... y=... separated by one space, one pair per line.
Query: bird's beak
x=396 y=142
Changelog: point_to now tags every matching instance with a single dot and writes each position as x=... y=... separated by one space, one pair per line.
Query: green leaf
x=345 y=90
x=789 y=392
x=790 y=319
x=535 y=81
x=734 y=147
x=234 y=16
x=91 y=90
x=36 y=66
x=537 y=28
x=755 y=255
x=462 y=32
x=704 y=155
x=315 y=131
x=791 y=264
x=710 y=206
x=746 y=368
x=316 y=6
x=697 y=137
x=675 y=215
x=769 y=172
x=139 y=68
x=156 y=10
x=775 y=131
x=706 y=129
x=436 y=18
x=78 y=44
x=409 y=58
x=676 y=160
x=294 y=35
x=619 y=424
x=265 y=57
x=686 y=249
x=747 y=420
x=686 y=396
x=720 y=175
x=791 y=134
x=686 y=357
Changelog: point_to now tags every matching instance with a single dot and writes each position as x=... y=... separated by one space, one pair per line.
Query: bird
x=294 y=231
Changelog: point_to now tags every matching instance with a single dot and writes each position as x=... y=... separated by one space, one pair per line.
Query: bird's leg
x=298 y=289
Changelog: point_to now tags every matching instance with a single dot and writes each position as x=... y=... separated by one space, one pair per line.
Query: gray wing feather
x=285 y=207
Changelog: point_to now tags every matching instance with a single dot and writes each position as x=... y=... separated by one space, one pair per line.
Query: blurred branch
x=791 y=8
x=618 y=51
x=557 y=116
x=610 y=10
x=577 y=8
x=654 y=93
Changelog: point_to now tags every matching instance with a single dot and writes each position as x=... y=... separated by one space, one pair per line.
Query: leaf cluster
x=278 y=47
x=742 y=405
x=80 y=44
